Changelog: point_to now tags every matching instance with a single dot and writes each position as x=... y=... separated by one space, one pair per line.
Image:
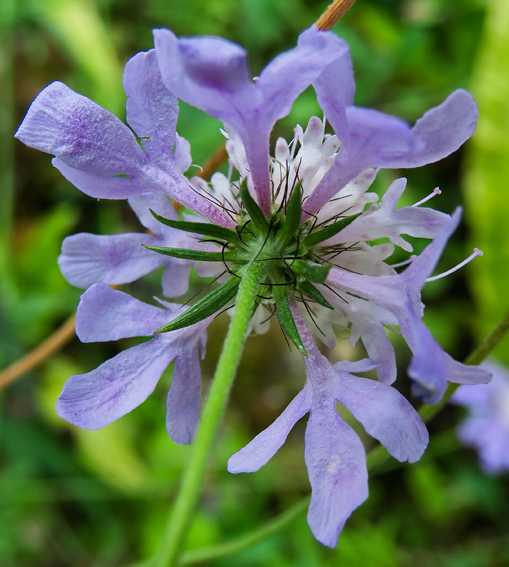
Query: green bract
x=286 y=249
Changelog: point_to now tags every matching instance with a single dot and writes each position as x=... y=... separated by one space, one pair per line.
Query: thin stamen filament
x=475 y=253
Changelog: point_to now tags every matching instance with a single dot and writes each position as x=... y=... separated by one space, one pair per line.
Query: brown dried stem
x=46 y=349
x=213 y=163
x=333 y=14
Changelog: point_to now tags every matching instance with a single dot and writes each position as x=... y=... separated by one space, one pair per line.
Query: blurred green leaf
x=487 y=173
x=83 y=34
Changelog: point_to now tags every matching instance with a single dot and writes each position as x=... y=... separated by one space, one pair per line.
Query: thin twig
x=213 y=163
x=46 y=349
x=333 y=14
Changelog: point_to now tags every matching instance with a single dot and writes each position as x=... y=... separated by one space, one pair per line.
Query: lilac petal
x=152 y=111
x=103 y=187
x=386 y=415
x=160 y=204
x=491 y=439
x=420 y=222
x=105 y=314
x=422 y=267
x=175 y=280
x=98 y=398
x=380 y=350
x=80 y=132
x=208 y=72
x=378 y=140
x=266 y=444
x=182 y=154
x=335 y=90
x=356 y=366
x=284 y=79
x=430 y=366
x=372 y=137
x=336 y=463
x=441 y=130
x=88 y=258
x=213 y=74
x=466 y=374
x=367 y=323
x=183 y=404
x=99 y=154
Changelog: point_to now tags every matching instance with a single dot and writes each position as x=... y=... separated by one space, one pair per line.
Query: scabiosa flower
x=487 y=426
x=298 y=220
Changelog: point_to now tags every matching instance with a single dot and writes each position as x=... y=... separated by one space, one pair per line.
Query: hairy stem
x=180 y=518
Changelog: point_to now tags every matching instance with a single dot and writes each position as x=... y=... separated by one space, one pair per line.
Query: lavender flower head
x=487 y=426
x=305 y=216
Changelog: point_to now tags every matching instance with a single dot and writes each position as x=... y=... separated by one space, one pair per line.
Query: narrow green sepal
x=203 y=228
x=285 y=317
x=318 y=236
x=312 y=272
x=315 y=294
x=252 y=208
x=206 y=307
x=185 y=254
x=292 y=219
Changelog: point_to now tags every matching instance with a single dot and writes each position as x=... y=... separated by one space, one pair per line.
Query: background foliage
x=72 y=497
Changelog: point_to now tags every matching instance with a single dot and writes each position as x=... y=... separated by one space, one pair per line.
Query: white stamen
x=475 y=253
x=409 y=261
x=436 y=191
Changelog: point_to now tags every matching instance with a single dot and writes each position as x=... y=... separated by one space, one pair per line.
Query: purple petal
x=491 y=439
x=459 y=373
x=103 y=187
x=88 y=258
x=386 y=415
x=160 y=204
x=152 y=111
x=105 y=314
x=336 y=463
x=335 y=90
x=284 y=79
x=183 y=404
x=441 y=130
x=98 y=398
x=175 y=280
x=80 y=132
x=420 y=222
x=373 y=139
x=357 y=366
x=367 y=323
x=266 y=444
x=207 y=72
x=182 y=154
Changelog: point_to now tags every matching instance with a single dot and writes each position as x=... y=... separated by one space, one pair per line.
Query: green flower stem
x=247 y=540
x=180 y=518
